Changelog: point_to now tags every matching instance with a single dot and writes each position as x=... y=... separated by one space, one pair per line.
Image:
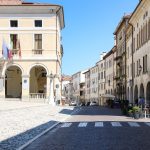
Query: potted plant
x=136 y=112
x=130 y=113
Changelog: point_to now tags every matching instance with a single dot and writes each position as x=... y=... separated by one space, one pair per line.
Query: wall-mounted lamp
x=140 y=68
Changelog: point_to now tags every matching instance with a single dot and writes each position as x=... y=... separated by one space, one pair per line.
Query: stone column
x=25 y=87
x=2 y=88
x=50 y=90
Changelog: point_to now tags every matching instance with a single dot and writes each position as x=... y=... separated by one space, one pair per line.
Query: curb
x=44 y=132
x=36 y=137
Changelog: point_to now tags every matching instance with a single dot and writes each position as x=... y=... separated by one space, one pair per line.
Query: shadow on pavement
x=66 y=111
x=98 y=110
x=16 y=141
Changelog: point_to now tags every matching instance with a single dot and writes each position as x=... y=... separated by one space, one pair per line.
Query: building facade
x=120 y=36
x=31 y=69
x=140 y=22
x=129 y=57
x=78 y=81
x=94 y=83
x=109 y=58
x=87 y=86
x=101 y=78
x=66 y=88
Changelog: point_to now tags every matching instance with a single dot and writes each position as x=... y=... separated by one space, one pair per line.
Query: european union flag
x=5 y=50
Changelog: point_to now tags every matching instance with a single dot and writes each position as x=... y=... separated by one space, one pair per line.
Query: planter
x=136 y=115
x=130 y=115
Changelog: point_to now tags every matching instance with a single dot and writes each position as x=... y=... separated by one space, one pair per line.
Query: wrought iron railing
x=37 y=51
x=37 y=96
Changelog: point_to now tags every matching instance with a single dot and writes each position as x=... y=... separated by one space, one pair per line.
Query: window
x=101 y=75
x=38 y=23
x=145 y=64
x=13 y=41
x=133 y=69
x=137 y=67
x=38 y=41
x=13 y=23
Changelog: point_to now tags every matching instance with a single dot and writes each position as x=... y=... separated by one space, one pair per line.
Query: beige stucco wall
x=138 y=21
x=51 y=56
x=109 y=73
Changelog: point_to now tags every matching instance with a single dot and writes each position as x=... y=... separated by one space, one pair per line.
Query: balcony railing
x=116 y=78
x=37 y=51
x=117 y=58
x=37 y=96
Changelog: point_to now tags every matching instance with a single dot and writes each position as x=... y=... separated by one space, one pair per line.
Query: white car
x=73 y=104
x=93 y=103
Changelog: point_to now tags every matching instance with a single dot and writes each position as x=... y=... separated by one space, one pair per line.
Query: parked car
x=73 y=104
x=88 y=103
x=82 y=104
x=93 y=103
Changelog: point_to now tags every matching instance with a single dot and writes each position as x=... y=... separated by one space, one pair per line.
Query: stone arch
x=111 y=91
x=136 y=94
x=131 y=97
x=38 y=81
x=13 y=81
x=14 y=64
x=148 y=94
x=128 y=95
x=114 y=92
x=142 y=91
x=36 y=65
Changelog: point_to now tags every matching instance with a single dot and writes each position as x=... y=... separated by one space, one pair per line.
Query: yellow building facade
x=32 y=33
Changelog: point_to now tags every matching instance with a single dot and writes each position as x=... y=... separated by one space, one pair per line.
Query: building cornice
x=136 y=10
x=35 y=9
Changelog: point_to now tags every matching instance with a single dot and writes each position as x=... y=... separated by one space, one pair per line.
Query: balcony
x=117 y=58
x=37 y=51
x=116 y=78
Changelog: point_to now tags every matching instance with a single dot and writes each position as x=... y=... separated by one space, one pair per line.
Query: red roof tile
x=10 y=2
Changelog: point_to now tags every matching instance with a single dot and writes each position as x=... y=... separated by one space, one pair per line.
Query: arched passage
x=136 y=94
x=148 y=94
x=142 y=91
x=38 y=82
x=13 y=82
x=128 y=91
x=111 y=92
x=131 y=96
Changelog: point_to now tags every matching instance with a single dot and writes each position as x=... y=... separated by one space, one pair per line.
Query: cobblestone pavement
x=79 y=134
x=21 y=121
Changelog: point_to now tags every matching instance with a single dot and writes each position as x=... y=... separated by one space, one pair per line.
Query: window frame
x=38 y=21
x=14 y=21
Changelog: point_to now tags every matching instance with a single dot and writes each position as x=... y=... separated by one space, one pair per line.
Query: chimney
x=102 y=55
x=10 y=2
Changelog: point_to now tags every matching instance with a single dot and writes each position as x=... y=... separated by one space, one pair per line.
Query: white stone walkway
x=21 y=121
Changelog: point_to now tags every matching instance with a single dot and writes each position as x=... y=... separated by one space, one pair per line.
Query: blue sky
x=89 y=27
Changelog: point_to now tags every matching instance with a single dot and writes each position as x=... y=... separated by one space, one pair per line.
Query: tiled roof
x=66 y=78
x=10 y=2
x=20 y=2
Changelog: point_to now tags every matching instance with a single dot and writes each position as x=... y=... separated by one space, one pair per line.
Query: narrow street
x=96 y=128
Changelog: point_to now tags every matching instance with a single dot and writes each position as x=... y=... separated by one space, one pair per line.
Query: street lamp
x=140 y=69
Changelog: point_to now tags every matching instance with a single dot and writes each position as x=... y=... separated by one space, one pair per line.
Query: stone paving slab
x=8 y=105
x=21 y=121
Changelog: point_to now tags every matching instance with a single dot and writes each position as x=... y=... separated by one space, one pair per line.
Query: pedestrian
x=141 y=102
